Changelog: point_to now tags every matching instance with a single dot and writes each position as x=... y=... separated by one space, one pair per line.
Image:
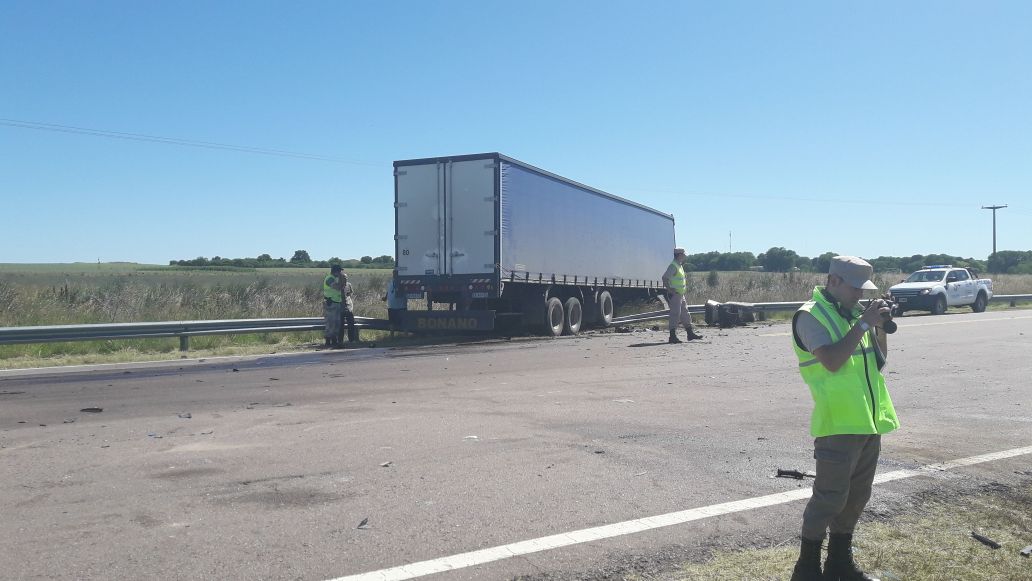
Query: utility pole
x=994 y=208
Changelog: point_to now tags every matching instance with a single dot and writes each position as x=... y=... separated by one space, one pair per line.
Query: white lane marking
x=986 y=320
x=463 y=560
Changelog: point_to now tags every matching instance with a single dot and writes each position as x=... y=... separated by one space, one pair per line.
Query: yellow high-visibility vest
x=852 y=400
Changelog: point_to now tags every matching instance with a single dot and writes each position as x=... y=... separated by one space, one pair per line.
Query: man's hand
x=876 y=312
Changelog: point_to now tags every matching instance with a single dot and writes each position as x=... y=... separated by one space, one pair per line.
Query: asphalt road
x=264 y=468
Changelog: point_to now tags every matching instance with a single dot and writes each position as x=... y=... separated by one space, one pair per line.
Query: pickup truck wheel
x=605 y=308
x=574 y=315
x=555 y=319
x=939 y=307
x=980 y=303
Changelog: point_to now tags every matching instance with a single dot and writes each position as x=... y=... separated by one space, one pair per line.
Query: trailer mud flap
x=448 y=321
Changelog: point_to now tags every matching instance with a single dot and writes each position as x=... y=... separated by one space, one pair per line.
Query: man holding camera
x=841 y=348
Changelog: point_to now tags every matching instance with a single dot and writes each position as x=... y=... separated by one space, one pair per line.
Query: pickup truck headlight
x=925 y=291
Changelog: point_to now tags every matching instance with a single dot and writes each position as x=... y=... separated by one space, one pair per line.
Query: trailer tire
x=555 y=318
x=939 y=307
x=980 y=302
x=605 y=309
x=573 y=316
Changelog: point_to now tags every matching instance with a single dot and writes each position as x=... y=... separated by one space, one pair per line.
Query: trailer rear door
x=446 y=217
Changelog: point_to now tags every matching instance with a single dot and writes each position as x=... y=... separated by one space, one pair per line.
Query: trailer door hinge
x=491 y=199
x=400 y=172
x=491 y=233
x=400 y=204
x=491 y=165
x=400 y=237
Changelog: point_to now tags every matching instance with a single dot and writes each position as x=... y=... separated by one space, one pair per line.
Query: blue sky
x=875 y=128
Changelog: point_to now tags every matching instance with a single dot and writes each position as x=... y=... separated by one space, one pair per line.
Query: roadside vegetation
x=63 y=294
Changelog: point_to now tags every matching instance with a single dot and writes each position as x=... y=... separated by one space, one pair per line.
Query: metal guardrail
x=182 y=329
x=186 y=329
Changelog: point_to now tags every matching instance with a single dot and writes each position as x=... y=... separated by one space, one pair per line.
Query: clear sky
x=867 y=128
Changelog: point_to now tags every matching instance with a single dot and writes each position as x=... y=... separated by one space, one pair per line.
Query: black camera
x=888 y=325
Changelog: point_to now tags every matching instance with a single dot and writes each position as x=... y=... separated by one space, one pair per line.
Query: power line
x=176 y=141
x=791 y=198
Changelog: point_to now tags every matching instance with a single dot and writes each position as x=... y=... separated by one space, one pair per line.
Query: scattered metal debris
x=1027 y=551
x=186 y=415
x=364 y=524
x=92 y=410
x=794 y=474
x=986 y=540
x=386 y=464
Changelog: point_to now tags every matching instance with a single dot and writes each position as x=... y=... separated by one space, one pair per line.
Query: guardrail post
x=184 y=342
x=1014 y=303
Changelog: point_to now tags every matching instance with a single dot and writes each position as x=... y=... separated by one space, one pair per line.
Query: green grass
x=931 y=543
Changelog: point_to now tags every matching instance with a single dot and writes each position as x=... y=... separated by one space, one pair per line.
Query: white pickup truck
x=936 y=287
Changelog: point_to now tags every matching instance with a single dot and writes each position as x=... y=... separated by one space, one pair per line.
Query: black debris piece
x=986 y=540
x=364 y=524
x=92 y=410
x=794 y=474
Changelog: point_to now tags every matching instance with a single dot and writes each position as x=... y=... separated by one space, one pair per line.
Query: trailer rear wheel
x=605 y=308
x=555 y=318
x=574 y=315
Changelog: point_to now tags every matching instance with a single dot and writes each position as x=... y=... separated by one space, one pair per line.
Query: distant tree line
x=301 y=259
x=780 y=259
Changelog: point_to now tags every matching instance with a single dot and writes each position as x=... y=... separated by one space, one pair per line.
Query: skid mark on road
x=463 y=560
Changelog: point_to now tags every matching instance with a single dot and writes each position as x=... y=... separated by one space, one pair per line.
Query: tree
x=778 y=259
x=367 y=260
x=300 y=257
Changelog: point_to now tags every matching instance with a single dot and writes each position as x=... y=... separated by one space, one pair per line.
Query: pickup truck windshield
x=926 y=276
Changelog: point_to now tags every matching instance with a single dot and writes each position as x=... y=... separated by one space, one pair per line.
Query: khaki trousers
x=678 y=311
x=845 y=473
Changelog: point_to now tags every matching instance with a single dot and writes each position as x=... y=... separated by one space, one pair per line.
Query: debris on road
x=186 y=415
x=471 y=438
x=70 y=421
x=794 y=474
x=986 y=540
x=364 y=524
x=1027 y=551
x=386 y=464
x=92 y=410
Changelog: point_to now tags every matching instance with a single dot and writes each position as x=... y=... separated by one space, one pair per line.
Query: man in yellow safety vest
x=676 y=287
x=841 y=348
x=332 y=284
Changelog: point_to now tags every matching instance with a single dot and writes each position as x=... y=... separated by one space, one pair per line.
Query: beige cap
x=855 y=271
x=679 y=250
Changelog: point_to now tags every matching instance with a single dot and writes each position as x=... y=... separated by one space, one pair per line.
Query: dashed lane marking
x=473 y=558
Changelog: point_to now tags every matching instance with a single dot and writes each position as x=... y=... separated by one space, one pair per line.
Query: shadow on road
x=653 y=344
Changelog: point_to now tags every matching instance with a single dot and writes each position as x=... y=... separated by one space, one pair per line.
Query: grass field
x=80 y=293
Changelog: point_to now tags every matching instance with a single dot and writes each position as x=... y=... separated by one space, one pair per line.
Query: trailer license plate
x=902 y=299
x=480 y=295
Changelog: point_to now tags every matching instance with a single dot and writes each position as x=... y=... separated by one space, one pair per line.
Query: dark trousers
x=347 y=317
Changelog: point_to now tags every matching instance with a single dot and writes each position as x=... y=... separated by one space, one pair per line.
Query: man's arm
x=834 y=356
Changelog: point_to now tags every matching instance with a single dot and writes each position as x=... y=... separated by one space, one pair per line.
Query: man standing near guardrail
x=841 y=347
x=676 y=287
x=332 y=307
x=347 y=313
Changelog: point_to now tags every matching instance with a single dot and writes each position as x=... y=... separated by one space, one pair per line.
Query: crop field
x=67 y=294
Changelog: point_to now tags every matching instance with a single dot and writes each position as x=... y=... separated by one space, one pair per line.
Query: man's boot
x=692 y=335
x=329 y=342
x=808 y=567
x=673 y=337
x=840 y=565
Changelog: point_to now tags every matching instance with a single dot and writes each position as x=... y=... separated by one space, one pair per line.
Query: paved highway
x=265 y=468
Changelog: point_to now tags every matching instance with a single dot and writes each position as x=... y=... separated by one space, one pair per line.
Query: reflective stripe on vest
x=328 y=291
x=677 y=281
x=852 y=400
